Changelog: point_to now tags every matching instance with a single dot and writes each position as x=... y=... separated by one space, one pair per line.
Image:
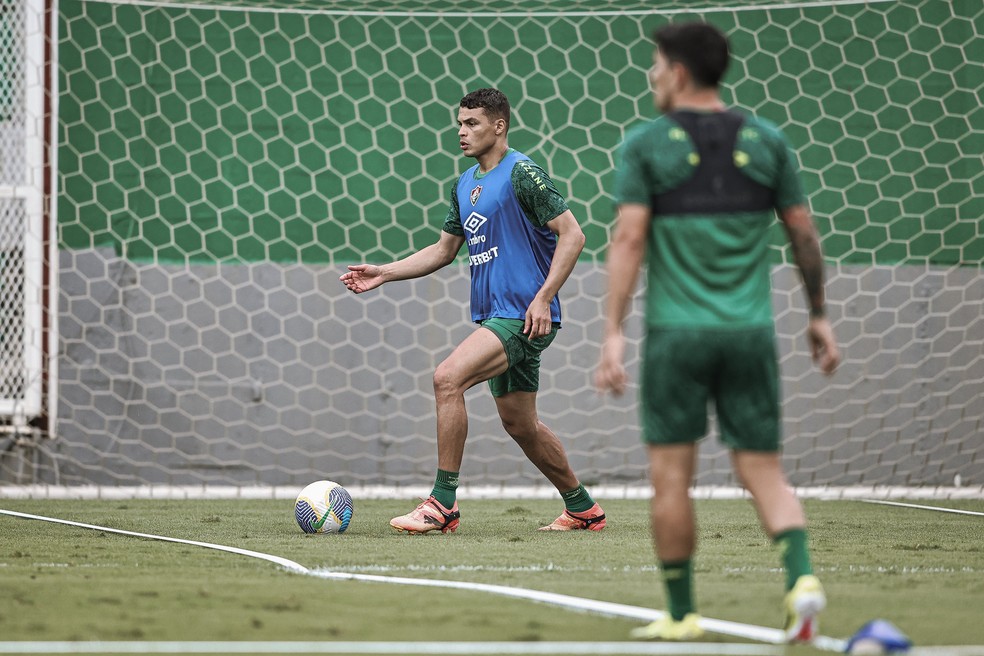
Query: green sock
x=445 y=488
x=678 y=578
x=577 y=500
x=795 y=554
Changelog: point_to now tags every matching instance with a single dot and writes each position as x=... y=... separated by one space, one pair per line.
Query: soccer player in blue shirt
x=523 y=242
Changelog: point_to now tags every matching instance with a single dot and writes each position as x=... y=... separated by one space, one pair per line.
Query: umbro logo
x=473 y=222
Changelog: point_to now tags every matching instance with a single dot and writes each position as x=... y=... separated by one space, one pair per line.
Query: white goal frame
x=29 y=188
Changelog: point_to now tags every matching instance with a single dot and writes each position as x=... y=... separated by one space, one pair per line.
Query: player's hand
x=538 y=321
x=362 y=277
x=610 y=376
x=823 y=345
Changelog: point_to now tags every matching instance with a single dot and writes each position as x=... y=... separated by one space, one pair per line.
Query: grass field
x=921 y=570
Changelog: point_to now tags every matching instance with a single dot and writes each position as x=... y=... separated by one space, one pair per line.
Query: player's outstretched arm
x=805 y=243
x=363 y=277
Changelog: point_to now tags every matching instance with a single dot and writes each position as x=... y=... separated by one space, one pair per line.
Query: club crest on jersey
x=475 y=193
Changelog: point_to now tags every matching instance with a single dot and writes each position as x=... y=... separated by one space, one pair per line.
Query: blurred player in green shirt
x=697 y=191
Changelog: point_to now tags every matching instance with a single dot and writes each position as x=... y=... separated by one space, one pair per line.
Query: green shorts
x=685 y=369
x=523 y=354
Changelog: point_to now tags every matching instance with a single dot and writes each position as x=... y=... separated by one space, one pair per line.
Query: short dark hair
x=493 y=101
x=700 y=47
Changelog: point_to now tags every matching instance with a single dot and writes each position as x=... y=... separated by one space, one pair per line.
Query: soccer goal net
x=220 y=163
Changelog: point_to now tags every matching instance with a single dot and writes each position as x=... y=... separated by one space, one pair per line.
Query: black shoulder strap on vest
x=717 y=186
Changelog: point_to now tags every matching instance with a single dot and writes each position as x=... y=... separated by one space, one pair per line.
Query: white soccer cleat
x=803 y=605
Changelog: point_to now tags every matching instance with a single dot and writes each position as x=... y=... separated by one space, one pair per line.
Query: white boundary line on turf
x=915 y=505
x=284 y=492
x=283 y=562
x=492 y=14
x=734 y=629
x=429 y=648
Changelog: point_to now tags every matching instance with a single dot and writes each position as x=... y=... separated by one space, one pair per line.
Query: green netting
x=221 y=133
x=473 y=7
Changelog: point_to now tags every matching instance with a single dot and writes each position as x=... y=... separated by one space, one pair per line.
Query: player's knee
x=445 y=382
x=520 y=429
x=670 y=486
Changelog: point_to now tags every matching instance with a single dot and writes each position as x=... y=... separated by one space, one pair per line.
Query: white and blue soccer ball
x=323 y=507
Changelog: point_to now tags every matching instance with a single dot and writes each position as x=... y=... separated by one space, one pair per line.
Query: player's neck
x=699 y=100
x=491 y=158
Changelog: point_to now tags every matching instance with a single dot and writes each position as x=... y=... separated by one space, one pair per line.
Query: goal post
x=219 y=164
x=22 y=192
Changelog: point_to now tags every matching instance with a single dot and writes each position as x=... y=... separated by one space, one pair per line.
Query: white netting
x=220 y=164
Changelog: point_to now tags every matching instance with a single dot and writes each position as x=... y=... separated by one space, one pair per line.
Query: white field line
x=174 y=492
x=649 y=569
x=913 y=505
x=283 y=562
x=734 y=629
x=428 y=648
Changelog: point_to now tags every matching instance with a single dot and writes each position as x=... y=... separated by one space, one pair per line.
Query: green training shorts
x=523 y=354
x=684 y=369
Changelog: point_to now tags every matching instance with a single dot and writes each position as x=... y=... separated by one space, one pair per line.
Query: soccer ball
x=323 y=507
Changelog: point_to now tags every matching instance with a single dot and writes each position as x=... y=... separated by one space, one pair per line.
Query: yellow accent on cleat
x=428 y=516
x=592 y=519
x=803 y=605
x=668 y=628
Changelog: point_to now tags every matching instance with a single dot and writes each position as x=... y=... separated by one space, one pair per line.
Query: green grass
x=922 y=570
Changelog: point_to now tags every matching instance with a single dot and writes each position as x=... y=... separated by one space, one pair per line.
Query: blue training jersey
x=503 y=214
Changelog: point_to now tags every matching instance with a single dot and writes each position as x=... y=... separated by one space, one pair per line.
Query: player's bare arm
x=363 y=277
x=805 y=243
x=623 y=262
x=570 y=242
